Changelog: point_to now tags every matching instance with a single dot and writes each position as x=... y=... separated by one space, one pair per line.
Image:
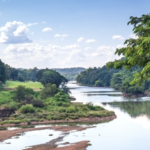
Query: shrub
x=90 y=106
x=37 y=103
x=29 y=91
x=20 y=93
x=73 y=117
x=59 y=103
x=27 y=109
x=48 y=117
x=65 y=104
x=61 y=109
x=49 y=91
x=71 y=109
x=97 y=108
x=29 y=98
x=12 y=106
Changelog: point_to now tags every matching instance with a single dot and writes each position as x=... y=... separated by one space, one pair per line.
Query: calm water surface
x=130 y=131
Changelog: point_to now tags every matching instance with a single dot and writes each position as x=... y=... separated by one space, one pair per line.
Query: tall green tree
x=136 y=51
x=49 y=76
x=2 y=72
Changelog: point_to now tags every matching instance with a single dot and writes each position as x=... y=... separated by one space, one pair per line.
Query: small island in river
x=50 y=105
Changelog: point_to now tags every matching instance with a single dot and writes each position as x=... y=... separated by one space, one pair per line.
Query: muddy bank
x=6 y=134
x=80 y=120
x=75 y=146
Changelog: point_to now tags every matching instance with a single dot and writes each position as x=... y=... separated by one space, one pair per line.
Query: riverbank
x=51 y=145
x=80 y=120
x=6 y=134
x=73 y=146
x=145 y=94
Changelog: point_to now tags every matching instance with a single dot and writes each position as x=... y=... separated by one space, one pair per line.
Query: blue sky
x=65 y=33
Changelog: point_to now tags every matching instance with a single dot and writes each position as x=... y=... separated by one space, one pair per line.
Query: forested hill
x=69 y=73
x=117 y=78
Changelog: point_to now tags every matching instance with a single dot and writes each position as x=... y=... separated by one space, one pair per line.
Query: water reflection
x=130 y=131
x=133 y=108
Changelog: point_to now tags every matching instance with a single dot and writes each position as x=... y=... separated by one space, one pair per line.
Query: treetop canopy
x=137 y=51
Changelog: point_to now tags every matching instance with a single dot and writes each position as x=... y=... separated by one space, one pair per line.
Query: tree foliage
x=49 y=76
x=49 y=91
x=137 y=51
x=96 y=76
x=2 y=72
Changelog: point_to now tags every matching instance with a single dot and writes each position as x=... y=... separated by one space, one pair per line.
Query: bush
x=29 y=98
x=12 y=106
x=29 y=91
x=37 y=103
x=20 y=93
x=71 y=109
x=90 y=106
x=61 y=109
x=49 y=91
x=27 y=109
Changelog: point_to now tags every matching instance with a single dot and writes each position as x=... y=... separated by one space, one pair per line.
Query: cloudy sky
x=65 y=33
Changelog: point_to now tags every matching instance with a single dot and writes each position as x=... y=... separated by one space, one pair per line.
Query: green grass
x=30 y=84
x=5 y=97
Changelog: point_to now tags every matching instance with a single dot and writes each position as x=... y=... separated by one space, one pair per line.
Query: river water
x=130 y=131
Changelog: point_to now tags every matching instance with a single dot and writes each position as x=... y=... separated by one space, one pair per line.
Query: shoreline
x=7 y=134
x=127 y=95
x=81 y=120
x=51 y=145
x=82 y=145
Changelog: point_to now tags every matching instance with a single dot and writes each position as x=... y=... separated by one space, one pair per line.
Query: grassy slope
x=5 y=97
x=14 y=84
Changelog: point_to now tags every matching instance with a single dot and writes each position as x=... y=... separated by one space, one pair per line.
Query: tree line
x=44 y=76
x=119 y=79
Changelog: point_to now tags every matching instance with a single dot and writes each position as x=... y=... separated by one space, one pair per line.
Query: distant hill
x=69 y=73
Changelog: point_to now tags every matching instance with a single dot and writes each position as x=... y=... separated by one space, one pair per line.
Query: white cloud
x=32 y=24
x=34 y=54
x=14 y=32
x=62 y=36
x=118 y=37
x=90 y=41
x=47 y=29
x=103 y=54
x=80 y=39
x=32 y=32
x=120 y=46
x=44 y=22
x=71 y=46
x=133 y=36
x=88 y=48
x=104 y=51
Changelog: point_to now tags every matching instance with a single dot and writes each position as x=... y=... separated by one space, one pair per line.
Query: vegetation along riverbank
x=24 y=104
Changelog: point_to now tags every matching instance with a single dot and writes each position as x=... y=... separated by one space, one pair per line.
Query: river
x=130 y=131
